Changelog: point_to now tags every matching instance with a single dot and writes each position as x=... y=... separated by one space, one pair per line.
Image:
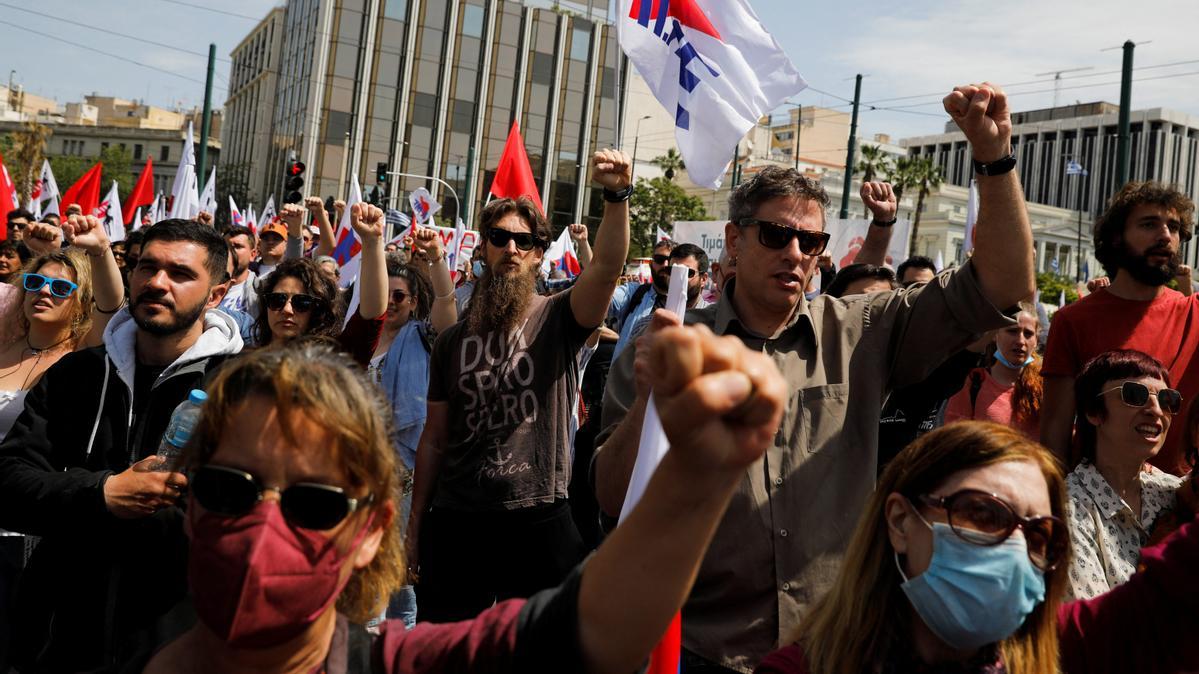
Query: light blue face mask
x=476 y=268
x=974 y=595
x=1008 y=364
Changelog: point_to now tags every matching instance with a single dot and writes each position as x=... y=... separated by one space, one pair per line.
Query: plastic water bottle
x=179 y=430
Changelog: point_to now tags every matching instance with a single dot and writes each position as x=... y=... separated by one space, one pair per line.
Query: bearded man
x=490 y=519
x=79 y=468
x=1137 y=239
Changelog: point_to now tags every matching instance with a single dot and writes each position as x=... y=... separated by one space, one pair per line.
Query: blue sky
x=915 y=49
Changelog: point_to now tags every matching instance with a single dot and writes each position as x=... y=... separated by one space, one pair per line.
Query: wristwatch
x=619 y=195
x=997 y=167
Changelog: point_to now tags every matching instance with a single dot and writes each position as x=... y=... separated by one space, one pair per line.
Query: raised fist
x=86 y=233
x=428 y=241
x=880 y=199
x=367 y=221
x=578 y=233
x=612 y=169
x=981 y=112
x=719 y=402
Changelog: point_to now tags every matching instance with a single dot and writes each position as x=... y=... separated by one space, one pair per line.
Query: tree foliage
x=658 y=202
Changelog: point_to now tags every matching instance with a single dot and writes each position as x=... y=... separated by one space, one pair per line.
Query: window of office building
x=424 y=109
x=472 y=21
x=164 y=153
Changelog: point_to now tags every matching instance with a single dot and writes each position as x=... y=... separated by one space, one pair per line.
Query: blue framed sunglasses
x=59 y=287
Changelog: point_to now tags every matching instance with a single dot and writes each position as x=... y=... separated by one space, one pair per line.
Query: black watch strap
x=619 y=195
x=878 y=223
x=997 y=167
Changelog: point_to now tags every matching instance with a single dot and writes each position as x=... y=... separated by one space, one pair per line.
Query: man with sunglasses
x=1137 y=240
x=635 y=301
x=780 y=543
x=18 y=219
x=490 y=518
x=78 y=468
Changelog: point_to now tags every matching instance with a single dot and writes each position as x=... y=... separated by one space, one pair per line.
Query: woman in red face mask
x=291 y=510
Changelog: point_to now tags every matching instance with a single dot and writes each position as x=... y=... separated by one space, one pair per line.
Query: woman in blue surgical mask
x=959 y=565
x=1008 y=392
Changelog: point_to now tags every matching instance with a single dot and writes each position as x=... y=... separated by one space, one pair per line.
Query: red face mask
x=258 y=582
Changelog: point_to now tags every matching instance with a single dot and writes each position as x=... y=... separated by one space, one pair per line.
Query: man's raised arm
x=1003 y=254
x=592 y=293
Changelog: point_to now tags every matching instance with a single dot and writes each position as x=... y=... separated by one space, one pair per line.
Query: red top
x=1160 y=327
x=360 y=337
x=1146 y=625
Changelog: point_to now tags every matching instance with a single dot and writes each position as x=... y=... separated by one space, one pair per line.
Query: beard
x=176 y=322
x=662 y=279
x=500 y=300
x=1141 y=270
x=693 y=295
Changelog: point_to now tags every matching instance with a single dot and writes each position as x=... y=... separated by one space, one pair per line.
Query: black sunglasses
x=524 y=240
x=399 y=296
x=774 y=235
x=661 y=259
x=301 y=304
x=59 y=287
x=232 y=492
x=1136 y=394
x=985 y=519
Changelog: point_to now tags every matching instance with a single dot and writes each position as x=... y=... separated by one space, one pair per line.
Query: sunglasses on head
x=59 y=287
x=232 y=492
x=524 y=240
x=301 y=304
x=985 y=519
x=1136 y=394
x=774 y=235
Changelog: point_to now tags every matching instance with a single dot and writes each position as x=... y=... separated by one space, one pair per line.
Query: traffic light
x=293 y=182
x=381 y=174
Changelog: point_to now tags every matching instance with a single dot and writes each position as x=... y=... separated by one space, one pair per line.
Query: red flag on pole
x=514 y=175
x=85 y=192
x=143 y=192
x=8 y=197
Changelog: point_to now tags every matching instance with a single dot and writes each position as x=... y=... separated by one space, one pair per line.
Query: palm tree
x=670 y=162
x=928 y=177
x=874 y=162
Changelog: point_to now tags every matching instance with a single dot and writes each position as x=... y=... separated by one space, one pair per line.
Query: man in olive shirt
x=780 y=543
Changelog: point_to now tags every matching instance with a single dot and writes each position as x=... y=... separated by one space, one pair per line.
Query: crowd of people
x=870 y=470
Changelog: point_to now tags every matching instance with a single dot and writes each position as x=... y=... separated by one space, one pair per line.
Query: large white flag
x=268 y=211
x=43 y=198
x=711 y=64
x=971 y=217
x=347 y=247
x=208 y=196
x=185 y=200
x=110 y=215
x=236 y=219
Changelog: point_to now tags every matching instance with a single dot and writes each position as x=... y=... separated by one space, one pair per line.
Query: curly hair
x=325 y=320
x=418 y=283
x=1106 y=367
x=772 y=182
x=81 y=312
x=310 y=380
x=1109 y=227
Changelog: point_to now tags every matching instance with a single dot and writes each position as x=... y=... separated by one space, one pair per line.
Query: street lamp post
x=636 y=137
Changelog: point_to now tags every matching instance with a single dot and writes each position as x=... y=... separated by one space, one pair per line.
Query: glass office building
x=431 y=87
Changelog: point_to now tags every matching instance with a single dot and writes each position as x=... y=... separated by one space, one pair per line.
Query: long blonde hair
x=862 y=621
x=307 y=378
x=17 y=324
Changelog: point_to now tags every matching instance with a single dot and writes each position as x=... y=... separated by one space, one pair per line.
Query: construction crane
x=1057 y=80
